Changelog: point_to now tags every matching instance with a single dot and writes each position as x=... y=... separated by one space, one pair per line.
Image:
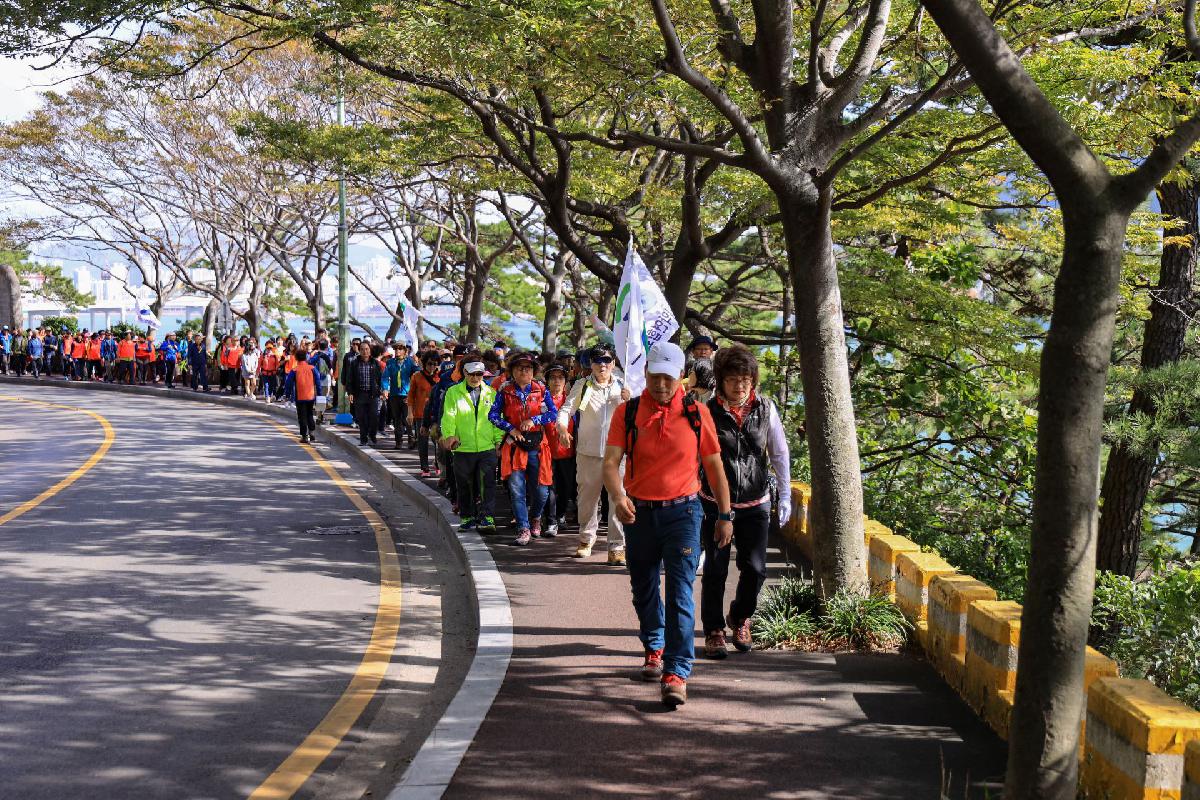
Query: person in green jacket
x=467 y=432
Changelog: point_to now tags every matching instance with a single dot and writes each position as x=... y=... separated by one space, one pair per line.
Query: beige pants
x=589 y=475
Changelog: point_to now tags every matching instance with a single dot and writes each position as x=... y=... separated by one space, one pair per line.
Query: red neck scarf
x=738 y=412
x=659 y=413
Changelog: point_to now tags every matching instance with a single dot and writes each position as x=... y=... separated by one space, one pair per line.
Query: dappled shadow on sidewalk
x=573 y=718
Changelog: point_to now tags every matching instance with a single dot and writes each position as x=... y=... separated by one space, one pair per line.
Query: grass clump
x=863 y=621
x=790 y=615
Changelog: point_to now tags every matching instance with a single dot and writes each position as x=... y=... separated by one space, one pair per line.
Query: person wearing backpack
x=322 y=360
x=521 y=408
x=665 y=439
x=469 y=434
x=302 y=383
x=753 y=443
x=594 y=400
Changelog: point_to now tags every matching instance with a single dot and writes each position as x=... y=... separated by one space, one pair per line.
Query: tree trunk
x=1043 y=760
x=210 y=322
x=678 y=288
x=1127 y=476
x=605 y=308
x=837 y=504
x=475 y=314
x=554 y=302
x=318 y=307
x=253 y=318
x=468 y=298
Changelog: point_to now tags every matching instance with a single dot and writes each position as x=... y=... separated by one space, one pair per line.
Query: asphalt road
x=170 y=624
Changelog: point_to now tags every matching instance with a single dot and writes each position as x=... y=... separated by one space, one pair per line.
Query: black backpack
x=690 y=410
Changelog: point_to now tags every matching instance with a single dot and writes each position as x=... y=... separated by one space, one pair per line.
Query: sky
x=20 y=84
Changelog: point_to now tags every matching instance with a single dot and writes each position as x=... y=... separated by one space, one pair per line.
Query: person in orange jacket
x=79 y=355
x=95 y=366
x=126 y=352
x=143 y=351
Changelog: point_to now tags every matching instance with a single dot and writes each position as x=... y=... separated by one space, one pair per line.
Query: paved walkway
x=572 y=719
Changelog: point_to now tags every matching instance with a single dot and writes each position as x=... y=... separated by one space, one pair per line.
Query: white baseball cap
x=665 y=358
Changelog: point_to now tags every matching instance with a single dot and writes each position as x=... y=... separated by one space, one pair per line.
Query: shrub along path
x=572 y=719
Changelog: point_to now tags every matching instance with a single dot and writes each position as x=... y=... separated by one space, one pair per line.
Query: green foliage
x=46 y=281
x=778 y=628
x=1157 y=627
x=60 y=326
x=119 y=329
x=863 y=621
x=790 y=615
x=786 y=613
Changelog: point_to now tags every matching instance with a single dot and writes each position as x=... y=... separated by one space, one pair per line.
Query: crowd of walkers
x=687 y=468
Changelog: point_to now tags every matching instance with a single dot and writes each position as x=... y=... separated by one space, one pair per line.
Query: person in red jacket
x=522 y=410
x=562 y=454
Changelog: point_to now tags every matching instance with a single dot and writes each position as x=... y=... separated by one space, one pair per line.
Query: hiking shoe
x=652 y=667
x=487 y=525
x=616 y=558
x=741 y=634
x=583 y=551
x=674 y=690
x=424 y=473
x=551 y=531
x=535 y=529
x=454 y=508
x=714 y=645
x=523 y=537
x=467 y=524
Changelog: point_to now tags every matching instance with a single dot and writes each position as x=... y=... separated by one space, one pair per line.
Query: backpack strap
x=693 y=417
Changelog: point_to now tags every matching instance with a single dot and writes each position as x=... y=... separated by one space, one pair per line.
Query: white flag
x=410 y=326
x=146 y=317
x=643 y=318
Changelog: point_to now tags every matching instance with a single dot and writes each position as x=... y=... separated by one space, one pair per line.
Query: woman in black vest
x=753 y=444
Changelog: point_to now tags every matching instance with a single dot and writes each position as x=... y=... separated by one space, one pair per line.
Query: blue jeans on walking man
x=527 y=493
x=666 y=539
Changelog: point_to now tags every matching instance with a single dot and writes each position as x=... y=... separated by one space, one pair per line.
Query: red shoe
x=535 y=529
x=674 y=690
x=652 y=667
x=424 y=473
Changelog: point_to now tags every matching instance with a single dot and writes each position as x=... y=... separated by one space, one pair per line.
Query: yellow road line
x=316 y=747
x=109 y=438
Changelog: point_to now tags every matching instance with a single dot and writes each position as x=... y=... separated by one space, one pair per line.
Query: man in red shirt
x=665 y=439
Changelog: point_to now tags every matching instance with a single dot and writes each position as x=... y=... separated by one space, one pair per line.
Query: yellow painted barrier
x=950 y=599
x=1136 y=738
x=914 y=573
x=993 y=635
x=882 y=552
x=1191 y=770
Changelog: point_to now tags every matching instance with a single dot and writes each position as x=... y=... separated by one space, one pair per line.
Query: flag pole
x=344 y=417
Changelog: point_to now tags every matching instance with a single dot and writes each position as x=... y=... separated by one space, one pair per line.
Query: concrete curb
x=432 y=769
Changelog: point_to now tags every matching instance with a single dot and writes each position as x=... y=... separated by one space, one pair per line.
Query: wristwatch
x=726 y=517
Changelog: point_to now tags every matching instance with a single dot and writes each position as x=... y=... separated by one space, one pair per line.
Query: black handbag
x=532 y=440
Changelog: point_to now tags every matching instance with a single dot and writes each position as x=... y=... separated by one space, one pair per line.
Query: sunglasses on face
x=475 y=374
x=602 y=361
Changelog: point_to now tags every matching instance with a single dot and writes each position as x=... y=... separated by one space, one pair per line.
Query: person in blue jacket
x=170 y=355
x=6 y=345
x=197 y=357
x=108 y=356
x=397 y=375
x=36 y=351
